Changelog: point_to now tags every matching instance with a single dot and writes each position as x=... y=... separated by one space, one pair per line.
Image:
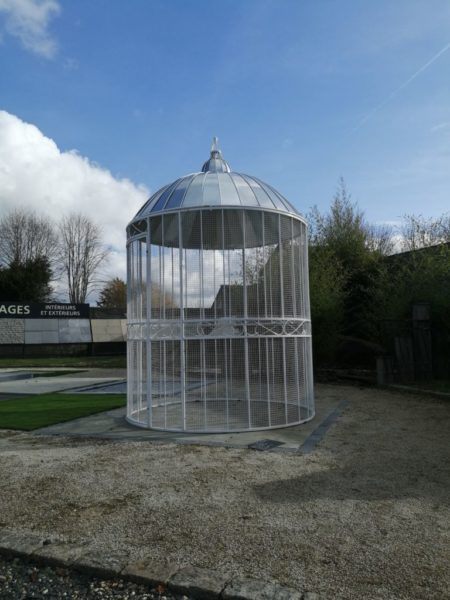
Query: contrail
x=400 y=88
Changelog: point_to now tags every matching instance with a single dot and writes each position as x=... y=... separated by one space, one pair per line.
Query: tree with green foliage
x=26 y=282
x=346 y=270
x=27 y=252
x=327 y=294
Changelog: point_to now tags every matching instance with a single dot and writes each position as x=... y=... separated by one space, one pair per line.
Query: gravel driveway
x=366 y=515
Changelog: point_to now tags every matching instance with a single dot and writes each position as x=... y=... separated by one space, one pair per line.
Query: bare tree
x=24 y=237
x=421 y=232
x=381 y=238
x=81 y=252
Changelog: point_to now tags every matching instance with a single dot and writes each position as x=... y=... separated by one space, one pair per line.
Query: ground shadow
x=370 y=476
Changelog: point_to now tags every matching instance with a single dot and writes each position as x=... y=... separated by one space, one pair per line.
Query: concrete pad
x=112 y=425
x=15 y=375
x=116 y=387
x=44 y=385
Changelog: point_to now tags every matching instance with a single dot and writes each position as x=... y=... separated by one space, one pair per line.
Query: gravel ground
x=22 y=580
x=366 y=515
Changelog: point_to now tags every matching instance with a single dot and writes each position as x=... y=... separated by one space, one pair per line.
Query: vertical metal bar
x=185 y=263
x=229 y=285
x=172 y=291
x=285 y=380
x=224 y=295
x=202 y=316
x=273 y=369
x=283 y=340
x=129 y=317
x=163 y=301
x=215 y=319
x=200 y=259
x=139 y=325
x=148 y=325
x=295 y=288
x=203 y=360
x=265 y=315
x=225 y=350
x=260 y=385
x=306 y=276
x=308 y=340
x=258 y=273
x=280 y=248
x=246 y=359
x=133 y=331
x=182 y=332
x=301 y=269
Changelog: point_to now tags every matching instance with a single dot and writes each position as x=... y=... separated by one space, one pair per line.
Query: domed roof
x=215 y=186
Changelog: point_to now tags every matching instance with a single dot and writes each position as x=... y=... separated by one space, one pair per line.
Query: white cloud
x=28 y=21
x=36 y=175
x=441 y=126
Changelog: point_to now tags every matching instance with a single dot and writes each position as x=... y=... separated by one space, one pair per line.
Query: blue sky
x=139 y=88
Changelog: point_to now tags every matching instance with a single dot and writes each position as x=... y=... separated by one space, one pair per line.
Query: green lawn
x=113 y=362
x=34 y=412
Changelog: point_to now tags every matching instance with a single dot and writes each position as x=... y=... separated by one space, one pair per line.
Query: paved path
x=43 y=385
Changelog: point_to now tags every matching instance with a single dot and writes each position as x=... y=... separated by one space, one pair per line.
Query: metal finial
x=215 y=164
x=215 y=145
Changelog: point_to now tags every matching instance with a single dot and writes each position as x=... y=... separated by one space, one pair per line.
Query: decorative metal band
x=219 y=329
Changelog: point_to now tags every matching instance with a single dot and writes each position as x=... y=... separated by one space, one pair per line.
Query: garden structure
x=219 y=331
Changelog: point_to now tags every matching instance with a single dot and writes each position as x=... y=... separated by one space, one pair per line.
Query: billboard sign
x=50 y=310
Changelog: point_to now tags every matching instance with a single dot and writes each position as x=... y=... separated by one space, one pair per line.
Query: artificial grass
x=32 y=412
x=104 y=362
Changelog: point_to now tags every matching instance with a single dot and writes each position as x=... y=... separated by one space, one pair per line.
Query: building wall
x=61 y=331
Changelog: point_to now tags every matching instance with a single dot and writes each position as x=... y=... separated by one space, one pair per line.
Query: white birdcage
x=219 y=330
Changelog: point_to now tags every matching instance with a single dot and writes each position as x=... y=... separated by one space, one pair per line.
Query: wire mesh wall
x=219 y=334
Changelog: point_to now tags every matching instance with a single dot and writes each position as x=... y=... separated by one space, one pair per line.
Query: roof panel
x=246 y=195
x=211 y=190
x=194 y=193
x=260 y=192
x=164 y=197
x=228 y=190
x=178 y=193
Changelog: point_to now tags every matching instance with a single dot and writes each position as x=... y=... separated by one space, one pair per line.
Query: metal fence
x=219 y=334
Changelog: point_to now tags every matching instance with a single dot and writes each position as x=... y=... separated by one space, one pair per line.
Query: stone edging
x=204 y=584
